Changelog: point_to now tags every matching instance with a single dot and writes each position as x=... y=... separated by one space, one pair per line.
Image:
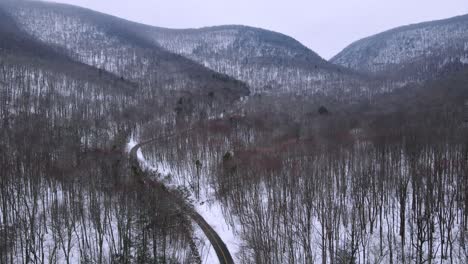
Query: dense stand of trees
x=359 y=185
x=67 y=192
x=374 y=182
x=65 y=195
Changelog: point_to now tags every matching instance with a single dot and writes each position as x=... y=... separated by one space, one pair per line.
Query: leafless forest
x=356 y=168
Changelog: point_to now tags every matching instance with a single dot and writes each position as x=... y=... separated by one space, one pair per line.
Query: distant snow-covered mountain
x=266 y=60
x=115 y=45
x=415 y=51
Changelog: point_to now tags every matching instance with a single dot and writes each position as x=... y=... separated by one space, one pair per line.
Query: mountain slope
x=418 y=50
x=20 y=50
x=174 y=59
x=110 y=43
x=266 y=60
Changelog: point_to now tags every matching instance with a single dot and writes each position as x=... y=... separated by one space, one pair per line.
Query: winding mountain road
x=224 y=256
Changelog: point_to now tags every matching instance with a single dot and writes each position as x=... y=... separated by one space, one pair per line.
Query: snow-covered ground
x=212 y=212
x=206 y=205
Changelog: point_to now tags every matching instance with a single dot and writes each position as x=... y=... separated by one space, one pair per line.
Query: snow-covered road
x=207 y=208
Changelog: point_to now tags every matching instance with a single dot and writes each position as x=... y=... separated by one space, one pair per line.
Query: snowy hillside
x=112 y=44
x=424 y=47
x=266 y=60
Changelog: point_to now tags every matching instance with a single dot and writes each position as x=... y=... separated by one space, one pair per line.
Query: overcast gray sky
x=325 y=26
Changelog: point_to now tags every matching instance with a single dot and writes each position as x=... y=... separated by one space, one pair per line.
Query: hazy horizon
x=325 y=27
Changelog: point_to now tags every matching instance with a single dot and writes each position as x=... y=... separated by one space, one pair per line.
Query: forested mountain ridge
x=268 y=61
x=109 y=43
x=414 y=52
x=31 y=71
x=19 y=48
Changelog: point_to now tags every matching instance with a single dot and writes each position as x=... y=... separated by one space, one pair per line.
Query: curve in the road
x=224 y=256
